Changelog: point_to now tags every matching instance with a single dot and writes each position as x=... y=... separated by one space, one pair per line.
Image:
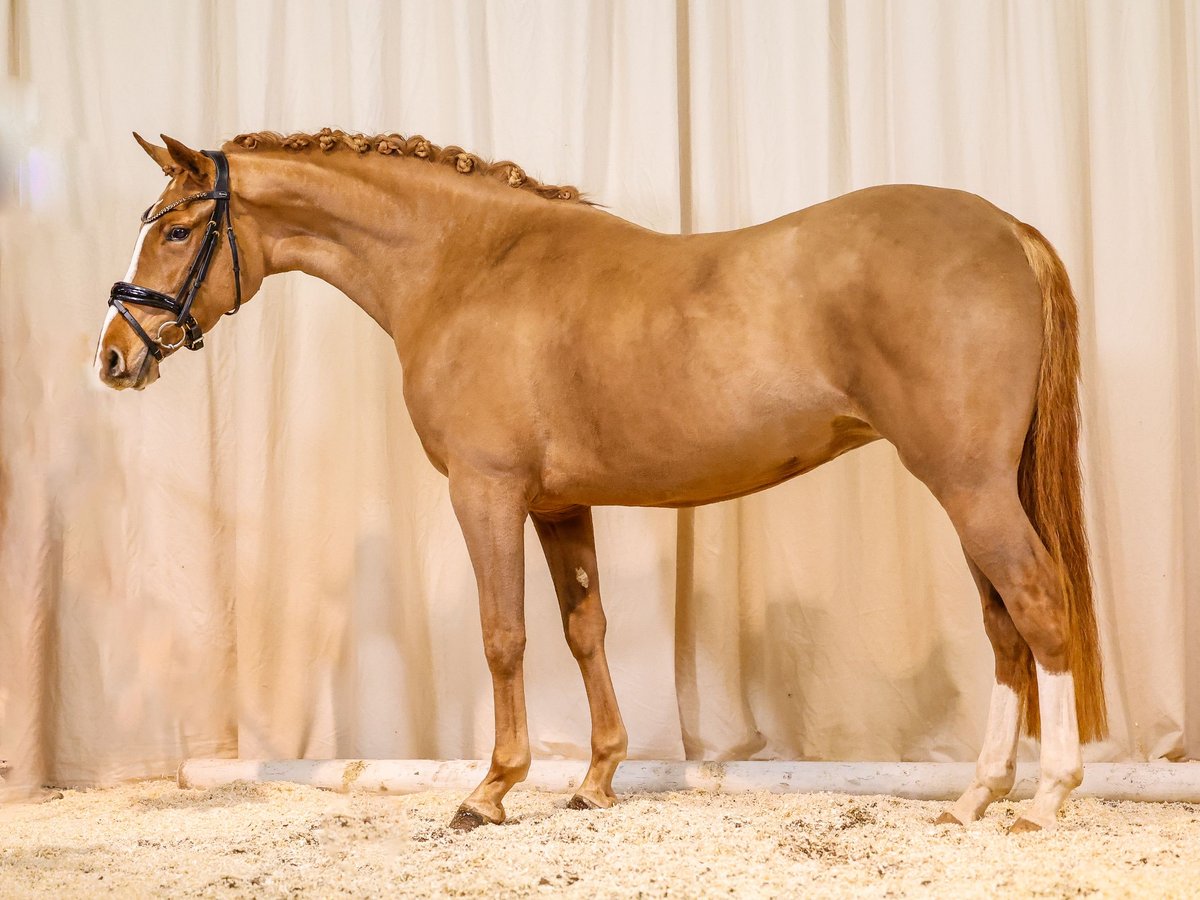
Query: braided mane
x=329 y=140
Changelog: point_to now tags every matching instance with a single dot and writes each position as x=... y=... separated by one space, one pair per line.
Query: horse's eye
x=178 y=233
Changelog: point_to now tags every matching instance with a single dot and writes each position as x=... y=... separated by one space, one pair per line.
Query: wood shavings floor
x=246 y=840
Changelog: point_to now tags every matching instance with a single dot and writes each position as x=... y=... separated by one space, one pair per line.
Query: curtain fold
x=254 y=557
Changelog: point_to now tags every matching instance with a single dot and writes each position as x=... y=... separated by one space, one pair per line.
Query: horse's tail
x=1051 y=487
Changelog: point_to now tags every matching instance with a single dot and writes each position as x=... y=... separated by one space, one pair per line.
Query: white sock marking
x=996 y=769
x=1061 y=760
x=1003 y=725
x=1060 y=730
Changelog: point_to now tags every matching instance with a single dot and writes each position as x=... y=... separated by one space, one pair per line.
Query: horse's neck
x=378 y=230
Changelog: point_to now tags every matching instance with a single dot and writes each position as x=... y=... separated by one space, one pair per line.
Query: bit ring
x=169 y=346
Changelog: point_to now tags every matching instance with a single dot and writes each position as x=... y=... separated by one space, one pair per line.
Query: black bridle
x=180 y=305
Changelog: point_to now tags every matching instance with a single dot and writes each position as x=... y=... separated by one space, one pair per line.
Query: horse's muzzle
x=120 y=369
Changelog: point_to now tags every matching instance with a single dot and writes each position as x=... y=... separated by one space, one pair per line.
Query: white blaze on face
x=137 y=252
x=129 y=276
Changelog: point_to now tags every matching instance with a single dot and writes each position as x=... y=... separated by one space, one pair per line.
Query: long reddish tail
x=1051 y=487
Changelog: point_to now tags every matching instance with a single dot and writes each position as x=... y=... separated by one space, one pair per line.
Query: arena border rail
x=1150 y=782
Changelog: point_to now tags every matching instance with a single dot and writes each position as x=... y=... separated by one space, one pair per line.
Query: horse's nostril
x=115 y=363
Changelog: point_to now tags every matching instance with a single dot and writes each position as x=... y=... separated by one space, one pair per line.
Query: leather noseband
x=180 y=305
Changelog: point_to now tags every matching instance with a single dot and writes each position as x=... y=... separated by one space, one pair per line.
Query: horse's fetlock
x=612 y=749
x=998 y=778
x=1072 y=778
x=512 y=767
x=1065 y=778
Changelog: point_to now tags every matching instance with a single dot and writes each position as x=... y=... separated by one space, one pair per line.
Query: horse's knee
x=585 y=627
x=504 y=649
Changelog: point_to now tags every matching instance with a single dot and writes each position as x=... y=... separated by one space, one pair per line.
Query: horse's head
x=188 y=269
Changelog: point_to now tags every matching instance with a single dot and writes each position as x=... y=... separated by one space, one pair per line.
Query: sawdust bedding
x=255 y=840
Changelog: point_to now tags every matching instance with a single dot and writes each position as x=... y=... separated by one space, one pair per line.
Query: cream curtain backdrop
x=254 y=556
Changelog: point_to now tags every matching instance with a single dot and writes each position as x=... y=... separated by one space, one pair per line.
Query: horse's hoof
x=581 y=801
x=578 y=802
x=467 y=820
x=947 y=818
x=1023 y=826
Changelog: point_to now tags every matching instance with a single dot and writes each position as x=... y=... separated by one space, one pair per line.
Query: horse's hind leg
x=570 y=549
x=998 y=536
x=996 y=770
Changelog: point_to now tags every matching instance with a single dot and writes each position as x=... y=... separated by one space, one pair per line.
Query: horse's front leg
x=491 y=512
x=570 y=548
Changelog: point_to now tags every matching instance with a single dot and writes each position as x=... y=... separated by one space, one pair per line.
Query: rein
x=190 y=334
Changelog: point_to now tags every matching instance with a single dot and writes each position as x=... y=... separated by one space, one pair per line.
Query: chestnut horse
x=557 y=357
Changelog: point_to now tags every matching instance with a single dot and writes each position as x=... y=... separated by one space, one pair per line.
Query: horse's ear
x=159 y=154
x=191 y=162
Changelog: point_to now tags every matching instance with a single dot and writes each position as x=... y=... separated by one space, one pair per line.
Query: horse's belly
x=695 y=466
